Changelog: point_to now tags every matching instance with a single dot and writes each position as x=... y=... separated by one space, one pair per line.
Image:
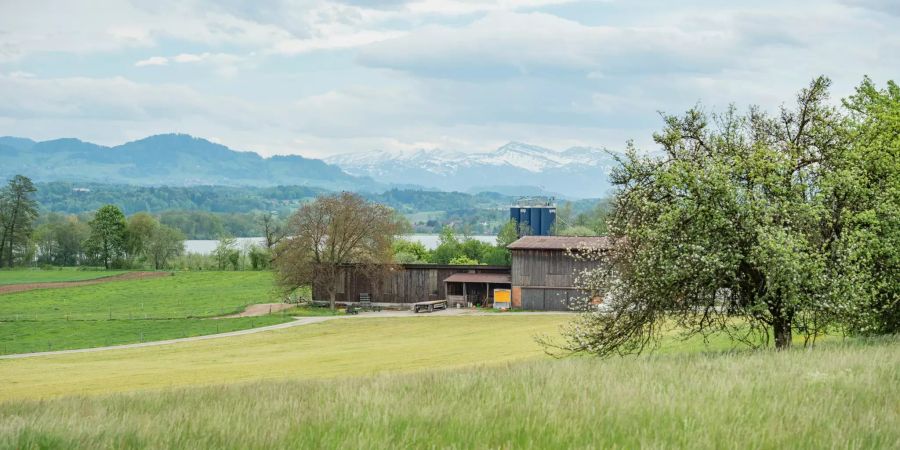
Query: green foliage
x=744 y=215
x=453 y=250
x=18 y=211
x=578 y=230
x=869 y=266
x=409 y=252
x=260 y=257
x=463 y=260
x=60 y=240
x=204 y=212
x=226 y=253
x=106 y=243
x=162 y=244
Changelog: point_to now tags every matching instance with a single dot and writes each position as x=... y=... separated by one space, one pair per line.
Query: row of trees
x=107 y=239
x=790 y=222
x=455 y=249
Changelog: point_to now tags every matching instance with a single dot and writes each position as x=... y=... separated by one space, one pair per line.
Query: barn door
x=533 y=299
x=557 y=300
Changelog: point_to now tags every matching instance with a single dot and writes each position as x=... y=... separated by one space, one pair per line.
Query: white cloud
x=152 y=61
x=323 y=76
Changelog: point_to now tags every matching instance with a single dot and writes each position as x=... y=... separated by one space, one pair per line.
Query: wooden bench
x=429 y=306
x=365 y=303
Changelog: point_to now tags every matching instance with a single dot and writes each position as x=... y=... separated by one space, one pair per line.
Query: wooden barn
x=544 y=271
x=542 y=278
x=412 y=283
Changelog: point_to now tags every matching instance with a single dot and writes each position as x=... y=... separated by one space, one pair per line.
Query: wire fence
x=42 y=332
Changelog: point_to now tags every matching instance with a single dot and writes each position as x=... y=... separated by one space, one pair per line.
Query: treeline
x=107 y=239
x=458 y=250
x=76 y=198
x=205 y=212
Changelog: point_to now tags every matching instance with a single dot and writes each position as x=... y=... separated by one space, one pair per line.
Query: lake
x=206 y=246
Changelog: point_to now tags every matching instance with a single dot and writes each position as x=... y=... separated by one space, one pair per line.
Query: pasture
x=19 y=276
x=838 y=395
x=122 y=312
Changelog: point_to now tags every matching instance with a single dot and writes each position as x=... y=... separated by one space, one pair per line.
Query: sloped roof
x=479 y=278
x=559 y=242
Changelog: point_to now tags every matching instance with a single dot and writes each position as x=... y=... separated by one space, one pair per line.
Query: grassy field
x=836 y=396
x=19 y=276
x=347 y=347
x=124 y=312
x=184 y=294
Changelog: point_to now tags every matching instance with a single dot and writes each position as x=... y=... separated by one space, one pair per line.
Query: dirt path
x=298 y=322
x=259 y=309
x=10 y=288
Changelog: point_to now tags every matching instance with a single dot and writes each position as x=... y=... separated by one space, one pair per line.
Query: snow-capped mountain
x=575 y=172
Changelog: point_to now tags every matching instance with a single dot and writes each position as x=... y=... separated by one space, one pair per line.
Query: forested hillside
x=167 y=159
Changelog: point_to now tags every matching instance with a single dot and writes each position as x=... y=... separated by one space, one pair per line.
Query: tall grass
x=839 y=396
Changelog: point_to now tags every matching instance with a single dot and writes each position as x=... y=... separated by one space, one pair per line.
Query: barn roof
x=479 y=278
x=559 y=242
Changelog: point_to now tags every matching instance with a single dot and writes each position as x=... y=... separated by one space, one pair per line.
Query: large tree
x=870 y=245
x=332 y=231
x=737 y=227
x=108 y=233
x=161 y=244
x=18 y=209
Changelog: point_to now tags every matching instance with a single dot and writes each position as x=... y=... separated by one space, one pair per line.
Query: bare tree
x=273 y=229
x=332 y=231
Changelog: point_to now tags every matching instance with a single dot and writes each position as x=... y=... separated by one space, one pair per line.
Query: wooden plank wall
x=546 y=268
x=406 y=285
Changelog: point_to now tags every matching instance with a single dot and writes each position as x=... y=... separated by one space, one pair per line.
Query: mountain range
x=168 y=159
x=578 y=172
x=184 y=160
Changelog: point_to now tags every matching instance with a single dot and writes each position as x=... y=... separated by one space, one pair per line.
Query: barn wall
x=544 y=280
x=546 y=268
x=407 y=284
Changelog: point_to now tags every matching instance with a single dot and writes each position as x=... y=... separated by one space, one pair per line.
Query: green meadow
x=838 y=395
x=19 y=276
x=124 y=312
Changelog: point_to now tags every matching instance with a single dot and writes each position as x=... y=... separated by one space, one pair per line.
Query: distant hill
x=514 y=169
x=168 y=159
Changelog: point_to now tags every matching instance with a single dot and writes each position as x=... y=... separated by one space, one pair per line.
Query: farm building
x=542 y=277
x=544 y=271
x=411 y=283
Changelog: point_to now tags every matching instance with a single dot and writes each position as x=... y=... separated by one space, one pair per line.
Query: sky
x=321 y=77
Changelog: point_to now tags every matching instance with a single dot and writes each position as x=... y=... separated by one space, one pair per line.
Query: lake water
x=205 y=247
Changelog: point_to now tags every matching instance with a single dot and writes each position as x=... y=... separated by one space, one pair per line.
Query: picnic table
x=429 y=306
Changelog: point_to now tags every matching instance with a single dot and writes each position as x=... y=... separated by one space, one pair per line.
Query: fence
x=48 y=331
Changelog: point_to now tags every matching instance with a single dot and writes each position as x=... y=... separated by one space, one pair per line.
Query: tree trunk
x=331 y=296
x=783 y=337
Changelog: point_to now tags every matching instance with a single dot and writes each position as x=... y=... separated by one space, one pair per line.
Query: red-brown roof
x=479 y=278
x=559 y=243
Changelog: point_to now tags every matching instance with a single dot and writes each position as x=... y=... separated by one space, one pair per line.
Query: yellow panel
x=501 y=295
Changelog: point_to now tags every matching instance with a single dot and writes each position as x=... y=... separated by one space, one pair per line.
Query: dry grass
x=339 y=348
x=839 y=396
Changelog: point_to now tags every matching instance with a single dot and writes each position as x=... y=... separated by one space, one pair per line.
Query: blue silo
x=548 y=218
x=514 y=214
x=535 y=214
